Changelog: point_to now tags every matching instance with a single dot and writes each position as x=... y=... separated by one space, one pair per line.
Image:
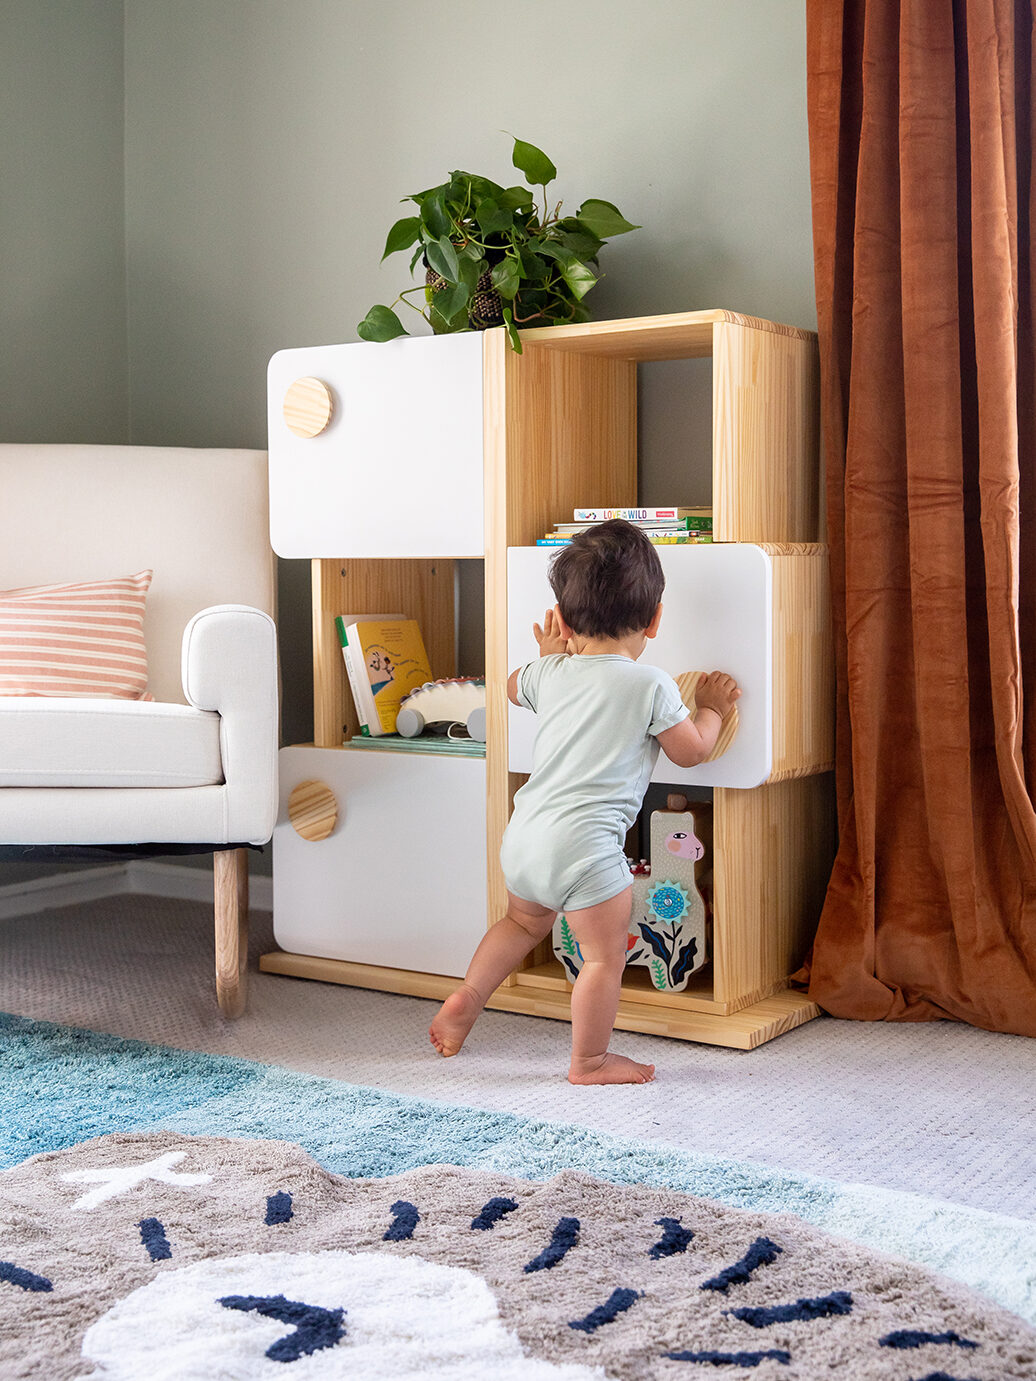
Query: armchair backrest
x=198 y=518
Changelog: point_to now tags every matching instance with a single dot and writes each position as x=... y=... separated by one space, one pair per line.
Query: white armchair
x=197 y=766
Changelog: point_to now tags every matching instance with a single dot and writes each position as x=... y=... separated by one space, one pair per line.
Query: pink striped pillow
x=84 y=639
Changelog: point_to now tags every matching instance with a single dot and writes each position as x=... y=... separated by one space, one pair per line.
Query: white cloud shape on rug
x=404 y=1317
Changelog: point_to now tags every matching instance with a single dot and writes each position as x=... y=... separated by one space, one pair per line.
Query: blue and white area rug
x=174 y=1215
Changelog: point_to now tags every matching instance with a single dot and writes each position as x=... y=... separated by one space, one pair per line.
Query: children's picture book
x=638 y=515
x=385 y=659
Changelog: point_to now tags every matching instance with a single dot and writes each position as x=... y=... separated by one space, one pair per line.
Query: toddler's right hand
x=717 y=691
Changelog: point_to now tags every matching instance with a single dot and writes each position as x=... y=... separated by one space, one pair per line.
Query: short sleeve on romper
x=668 y=709
x=530 y=678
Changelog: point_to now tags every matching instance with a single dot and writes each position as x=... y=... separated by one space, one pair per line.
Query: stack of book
x=664 y=526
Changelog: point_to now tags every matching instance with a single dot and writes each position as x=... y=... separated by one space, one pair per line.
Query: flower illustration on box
x=667 y=918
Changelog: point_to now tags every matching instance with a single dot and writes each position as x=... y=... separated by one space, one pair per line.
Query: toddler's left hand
x=549 y=636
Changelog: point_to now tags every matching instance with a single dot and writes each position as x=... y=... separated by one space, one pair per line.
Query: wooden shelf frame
x=560 y=430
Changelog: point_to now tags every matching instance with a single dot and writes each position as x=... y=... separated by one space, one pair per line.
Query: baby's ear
x=563 y=628
x=656 y=619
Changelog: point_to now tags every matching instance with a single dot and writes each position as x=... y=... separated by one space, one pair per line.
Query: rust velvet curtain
x=921 y=136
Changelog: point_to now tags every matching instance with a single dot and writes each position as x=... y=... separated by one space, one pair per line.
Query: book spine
x=632 y=515
x=678 y=532
x=355 y=684
x=661 y=539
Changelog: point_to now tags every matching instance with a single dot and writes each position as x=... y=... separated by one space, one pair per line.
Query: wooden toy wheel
x=687 y=684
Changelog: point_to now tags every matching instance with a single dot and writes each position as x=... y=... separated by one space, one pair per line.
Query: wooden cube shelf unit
x=558 y=430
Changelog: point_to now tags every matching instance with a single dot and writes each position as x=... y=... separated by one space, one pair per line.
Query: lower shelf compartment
x=744 y=1029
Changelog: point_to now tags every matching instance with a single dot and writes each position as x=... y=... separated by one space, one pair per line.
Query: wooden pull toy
x=688 y=683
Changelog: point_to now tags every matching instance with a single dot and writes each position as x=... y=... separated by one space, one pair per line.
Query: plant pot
x=484 y=310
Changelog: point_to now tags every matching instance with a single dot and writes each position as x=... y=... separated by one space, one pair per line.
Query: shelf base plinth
x=741 y=1030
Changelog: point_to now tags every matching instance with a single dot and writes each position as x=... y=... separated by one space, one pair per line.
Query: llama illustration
x=667 y=918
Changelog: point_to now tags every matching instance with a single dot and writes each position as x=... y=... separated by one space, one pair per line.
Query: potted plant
x=493 y=257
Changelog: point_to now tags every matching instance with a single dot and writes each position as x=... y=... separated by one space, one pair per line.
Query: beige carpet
x=939 y=1109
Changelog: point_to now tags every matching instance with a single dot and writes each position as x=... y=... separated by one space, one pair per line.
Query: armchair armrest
x=229 y=664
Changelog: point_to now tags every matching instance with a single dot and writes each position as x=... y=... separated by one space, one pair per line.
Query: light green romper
x=595 y=750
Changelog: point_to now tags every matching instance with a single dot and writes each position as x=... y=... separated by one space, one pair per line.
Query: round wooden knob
x=313 y=810
x=307 y=407
x=688 y=684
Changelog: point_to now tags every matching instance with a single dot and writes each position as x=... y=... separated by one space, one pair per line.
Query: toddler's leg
x=501 y=949
x=601 y=932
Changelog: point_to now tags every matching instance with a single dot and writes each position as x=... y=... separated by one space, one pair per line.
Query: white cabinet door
x=398 y=470
x=401 y=880
x=717 y=616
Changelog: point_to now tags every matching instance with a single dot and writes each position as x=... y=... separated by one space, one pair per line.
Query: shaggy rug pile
x=173 y=1215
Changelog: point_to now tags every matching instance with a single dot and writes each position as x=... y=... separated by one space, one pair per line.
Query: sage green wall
x=156 y=261
x=62 y=285
x=269 y=142
x=63 y=277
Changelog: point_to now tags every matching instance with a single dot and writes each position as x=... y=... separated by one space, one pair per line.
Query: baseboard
x=142 y=877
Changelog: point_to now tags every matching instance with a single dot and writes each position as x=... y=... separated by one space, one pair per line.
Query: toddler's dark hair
x=608 y=580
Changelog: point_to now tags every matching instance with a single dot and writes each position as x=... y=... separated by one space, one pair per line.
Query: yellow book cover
x=386 y=660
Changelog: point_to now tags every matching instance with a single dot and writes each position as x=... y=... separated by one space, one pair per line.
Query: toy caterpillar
x=444 y=707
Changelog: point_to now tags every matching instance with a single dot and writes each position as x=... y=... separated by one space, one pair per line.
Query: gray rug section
x=193 y=1257
x=939 y=1109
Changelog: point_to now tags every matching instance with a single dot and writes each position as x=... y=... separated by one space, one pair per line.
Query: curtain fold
x=921 y=135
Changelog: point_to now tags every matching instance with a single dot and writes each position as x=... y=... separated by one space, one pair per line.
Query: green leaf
x=534 y=163
x=535 y=269
x=505 y=277
x=481 y=188
x=579 y=278
x=452 y=302
x=554 y=249
x=602 y=219
x=515 y=198
x=470 y=267
x=381 y=323
x=512 y=331
x=434 y=214
x=569 y=232
x=442 y=257
x=493 y=217
x=402 y=234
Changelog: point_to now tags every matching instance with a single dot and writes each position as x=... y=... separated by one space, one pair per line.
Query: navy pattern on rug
x=64 y=1085
x=164 y=1256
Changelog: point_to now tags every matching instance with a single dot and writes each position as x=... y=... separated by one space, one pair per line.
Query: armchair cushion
x=115 y=743
x=80 y=639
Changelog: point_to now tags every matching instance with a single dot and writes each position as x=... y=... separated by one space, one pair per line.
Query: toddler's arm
x=692 y=740
x=550 y=641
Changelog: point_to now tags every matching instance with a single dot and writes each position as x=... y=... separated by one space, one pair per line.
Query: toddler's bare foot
x=453 y=1021
x=610 y=1069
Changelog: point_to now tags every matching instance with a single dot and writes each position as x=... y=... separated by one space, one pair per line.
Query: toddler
x=600 y=721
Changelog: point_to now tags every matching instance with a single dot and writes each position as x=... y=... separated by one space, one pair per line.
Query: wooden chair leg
x=230 y=873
